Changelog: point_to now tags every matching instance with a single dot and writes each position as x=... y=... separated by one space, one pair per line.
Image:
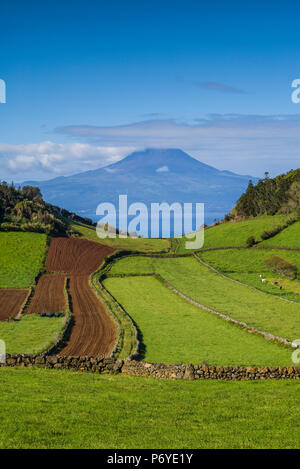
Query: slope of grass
x=246 y=265
x=235 y=234
x=247 y=260
x=174 y=331
x=128 y=244
x=31 y=334
x=58 y=409
x=259 y=310
x=21 y=258
x=289 y=237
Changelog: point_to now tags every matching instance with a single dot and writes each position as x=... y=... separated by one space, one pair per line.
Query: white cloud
x=48 y=159
x=246 y=144
x=240 y=143
x=162 y=169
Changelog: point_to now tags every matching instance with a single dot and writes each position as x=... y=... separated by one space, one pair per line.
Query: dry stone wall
x=153 y=370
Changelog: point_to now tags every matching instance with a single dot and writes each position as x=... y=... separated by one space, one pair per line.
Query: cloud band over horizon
x=245 y=144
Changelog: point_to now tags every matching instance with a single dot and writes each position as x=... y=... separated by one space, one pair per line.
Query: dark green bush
x=250 y=241
x=270 y=233
x=282 y=267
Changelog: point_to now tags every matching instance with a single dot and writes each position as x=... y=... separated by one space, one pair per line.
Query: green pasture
x=127 y=244
x=234 y=234
x=31 y=334
x=61 y=409
x=21 y=258
x=289 y=237
x=174 y=331
x=259 y=310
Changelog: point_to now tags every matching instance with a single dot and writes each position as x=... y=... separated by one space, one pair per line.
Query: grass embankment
x=127 y=244
x=245 y=265
x=235 y=234
x=31 y=334
x=60 y=409
x=174 y=331
x=22 y=257
x=257 y=309
x=289 y=237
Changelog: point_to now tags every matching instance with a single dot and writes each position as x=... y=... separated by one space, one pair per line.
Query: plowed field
x=75 y=256
x=49 y=295
x=11 y=301
x=93 y=333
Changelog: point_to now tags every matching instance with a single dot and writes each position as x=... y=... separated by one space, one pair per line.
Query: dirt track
x=11 y=301
x=75 y=256
x=93 y=333
x=49 y=295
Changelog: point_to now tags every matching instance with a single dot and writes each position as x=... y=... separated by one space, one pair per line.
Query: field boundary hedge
x=153 y=370
x=137 y=333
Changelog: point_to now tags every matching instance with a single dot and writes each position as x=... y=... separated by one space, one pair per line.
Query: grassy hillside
x=259 y=310
x=246 y=265
x=22 y=257
x=175 y=331
x=58 y=409
x=232 y=234
x=127 y=244
x=31 y=334
x=290 y=237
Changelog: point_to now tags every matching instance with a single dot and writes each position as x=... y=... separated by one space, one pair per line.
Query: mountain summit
x=152 y=175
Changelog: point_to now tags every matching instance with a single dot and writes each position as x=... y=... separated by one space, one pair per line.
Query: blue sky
x=90 y=81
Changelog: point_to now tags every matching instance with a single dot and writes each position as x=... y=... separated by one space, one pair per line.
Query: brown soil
x=49 y=295
x=11 y=301
x=75 y=256
x=93 y=333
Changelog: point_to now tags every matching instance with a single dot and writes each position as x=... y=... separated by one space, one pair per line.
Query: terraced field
x=290 y=237
x=22 y=256
x=235 y=234
x=246 y=265
x=93 y=332
x=11 y=301
x=259 y=310
x=49 y=295
x=31 y=334
x=149 y=245
x=175 y=331
x=75 y=256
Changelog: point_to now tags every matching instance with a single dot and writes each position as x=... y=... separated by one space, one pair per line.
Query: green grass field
x=245 y=265
x=61 y=409
x=127 y=244
x=257 y=309
x=174 y=331
x=289 y=237
x=235 y=234
x=247 y=260
x=31 y=334
x=22 y=256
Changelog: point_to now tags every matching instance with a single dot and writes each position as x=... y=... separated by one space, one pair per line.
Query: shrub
x=270 y=233
x=250 y=241
x=281 y=266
